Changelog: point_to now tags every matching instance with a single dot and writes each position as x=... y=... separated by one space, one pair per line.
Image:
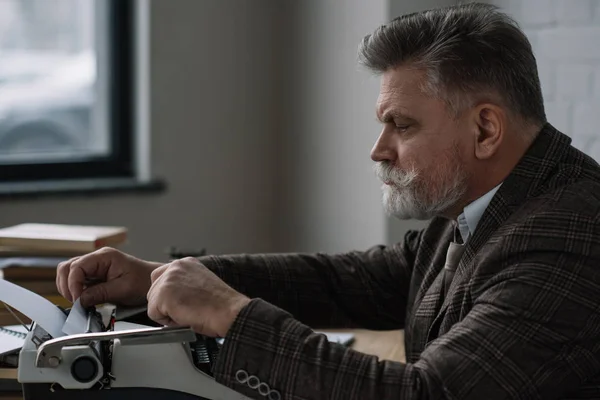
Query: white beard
x=408 y=196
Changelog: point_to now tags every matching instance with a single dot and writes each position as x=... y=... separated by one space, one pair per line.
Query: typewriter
x=125 y=360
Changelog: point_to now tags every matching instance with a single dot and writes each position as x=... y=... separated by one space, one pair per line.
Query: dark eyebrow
x=391 y=115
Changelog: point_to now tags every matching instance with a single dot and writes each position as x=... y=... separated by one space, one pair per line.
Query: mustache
x=388 y=173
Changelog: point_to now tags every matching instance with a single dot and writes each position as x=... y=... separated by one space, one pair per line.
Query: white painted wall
x=565 y=36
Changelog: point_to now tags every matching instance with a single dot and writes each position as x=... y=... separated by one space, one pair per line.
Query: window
x=66 y=89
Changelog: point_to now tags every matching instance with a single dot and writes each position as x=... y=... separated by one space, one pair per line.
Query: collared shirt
x=468 y=220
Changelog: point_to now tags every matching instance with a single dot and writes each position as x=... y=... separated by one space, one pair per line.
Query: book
x=29 y=268
x=14 y=274
x=58 y=237
x=24 y=252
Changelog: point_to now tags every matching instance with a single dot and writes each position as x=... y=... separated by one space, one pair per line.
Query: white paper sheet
x=11 y=338
x=339 y=337
x=34 y=306
x=77 y=320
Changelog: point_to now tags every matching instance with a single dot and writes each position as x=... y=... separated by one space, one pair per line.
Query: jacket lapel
x=429 y=296
x=525 y=181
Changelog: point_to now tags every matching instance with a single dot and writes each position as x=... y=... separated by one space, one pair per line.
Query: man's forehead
x=403 y=78
x=389 y=103
x=388 y=97
x=398 y=85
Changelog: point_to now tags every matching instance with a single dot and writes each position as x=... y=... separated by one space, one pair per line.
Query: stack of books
x=30 y=253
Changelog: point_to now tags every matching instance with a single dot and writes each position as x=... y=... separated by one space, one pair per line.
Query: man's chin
x=401 y=207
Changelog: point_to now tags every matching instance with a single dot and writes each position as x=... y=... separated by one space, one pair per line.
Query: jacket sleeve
x=532 y=333
x=358 y=289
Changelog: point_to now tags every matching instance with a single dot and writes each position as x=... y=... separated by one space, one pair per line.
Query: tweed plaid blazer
x=520 y=320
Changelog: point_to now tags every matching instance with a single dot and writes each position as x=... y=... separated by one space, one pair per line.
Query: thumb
x=94 y=295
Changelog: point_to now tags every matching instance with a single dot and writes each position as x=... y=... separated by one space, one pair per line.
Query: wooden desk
x=387 y=345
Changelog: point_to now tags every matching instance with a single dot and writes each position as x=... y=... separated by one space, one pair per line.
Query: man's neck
x=488 y=174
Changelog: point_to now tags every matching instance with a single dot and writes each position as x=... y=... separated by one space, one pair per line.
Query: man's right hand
x=105 y=276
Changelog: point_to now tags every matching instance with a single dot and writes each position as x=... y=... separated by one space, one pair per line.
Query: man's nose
x=383 y=150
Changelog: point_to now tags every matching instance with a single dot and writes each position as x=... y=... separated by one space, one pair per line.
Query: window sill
x=84 y=187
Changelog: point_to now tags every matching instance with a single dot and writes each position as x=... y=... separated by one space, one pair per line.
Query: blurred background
x=231 y=125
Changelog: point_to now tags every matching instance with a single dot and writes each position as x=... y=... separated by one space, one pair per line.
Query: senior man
x=499 y=295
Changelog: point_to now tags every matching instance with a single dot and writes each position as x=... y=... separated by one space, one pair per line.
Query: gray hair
x=470 y=52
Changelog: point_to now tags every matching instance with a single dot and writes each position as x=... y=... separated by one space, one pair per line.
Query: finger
x=156 y=309
x=76 y=282
x=154 y=284
x=62 y=275
x=95 y=294
x=165 y=321
x=91 y=266
x=169 y=322
x=191 y=261
x=158 y=272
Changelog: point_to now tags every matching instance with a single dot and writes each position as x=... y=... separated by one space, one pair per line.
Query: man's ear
x=489 y=121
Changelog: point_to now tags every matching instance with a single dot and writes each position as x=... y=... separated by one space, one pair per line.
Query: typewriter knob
x=84 y=369
x=54 y=361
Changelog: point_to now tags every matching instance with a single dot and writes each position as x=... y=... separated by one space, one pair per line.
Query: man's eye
x=402 y=128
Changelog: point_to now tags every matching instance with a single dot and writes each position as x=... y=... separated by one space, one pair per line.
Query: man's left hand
x=186 y=293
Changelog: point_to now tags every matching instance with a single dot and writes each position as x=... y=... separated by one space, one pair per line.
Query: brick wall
x=565 y=35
